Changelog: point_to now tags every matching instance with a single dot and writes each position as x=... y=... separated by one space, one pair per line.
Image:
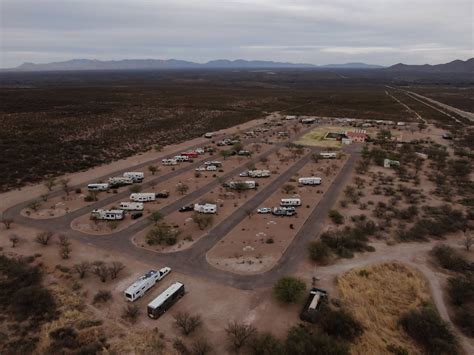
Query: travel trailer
x=169 y=161
x=131 y=206
x=107 y=215
x=144 y=283
x=328 y=155
x=309 y=180
x=134 y=175
x=143 y=197
x=290 y=202
x=98 y=187
x=205 y=208
x=118 y=181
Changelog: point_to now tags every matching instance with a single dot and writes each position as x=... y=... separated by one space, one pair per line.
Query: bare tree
x=249 y=212
x=65 y=185
x=34 y=205
x=468 y=241
x=50 y=183
x=187 y=322
x=239 y=334
x=152 y=169
x=131 y=313
x=43 y=238
x=155 y=217
x=181 y=347
x=82 y=269
x=101 y=270
x=44 y=197
x=201 y=347
x=115 y=269
x=288 y=188
x=182 y=188
x=7 y=222
x=14 y=240
x=64 y=246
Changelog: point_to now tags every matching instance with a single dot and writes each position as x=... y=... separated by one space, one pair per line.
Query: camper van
x=134 y=175
x=144 y=283
x=290 y=202
x=131 y=206
x=107 y=215
x=169 y=162
x=98 y=187
x=313 y=180
x=165 y=300
x=143 y=197
x=205 y=208
x=328 y=155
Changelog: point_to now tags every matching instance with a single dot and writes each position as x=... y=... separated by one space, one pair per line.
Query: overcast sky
x=304 y=31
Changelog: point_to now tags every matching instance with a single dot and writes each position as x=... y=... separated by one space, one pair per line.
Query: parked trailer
x=144 y=283
x=312 y=180
x=249 y=184
x=328 y=155
x=107 y=215
x=180 y=158
x=143 y=197
x=259 y=173
x=313 y=304
x=136 y=176
x=213 y=162
x=205 y=208
x=165 y=300
x=131 y=206
x=284 y=211
x=190 y=154
x=169 y=162
x=290 y=202
x=98 y=187
x=308 y=120
x=120 y=181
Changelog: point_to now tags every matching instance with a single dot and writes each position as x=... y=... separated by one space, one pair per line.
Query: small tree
x=65 y=185
x=319 y=252
x=249 y=212
x=239 y=334
x=201 y=347
x=115 y=268
x=468 y=241
x=64 y=247
x=186 y=322
x=289 y=289
x=266 y=344
x=101 y=270
x=163 y=234
x=14 y=240
x=181 y=347
x=182 y=188
x=131 y=313
x=82 y=269
x=34 y=205
x=152 y=169
x=7 y=222
x=225 y=153
x=102 y=296
x=288 y=189
x=43 y=238
x=202 y=220
x=50 y=183
x=336 y=217
x=155 y=217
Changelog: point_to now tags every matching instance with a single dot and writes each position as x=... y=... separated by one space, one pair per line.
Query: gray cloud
x=318 y=31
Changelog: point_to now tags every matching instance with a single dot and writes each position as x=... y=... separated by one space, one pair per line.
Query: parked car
x=162 y=194
x=264 y=210
x=187 y=208
x=244 y=174
x=136 y=215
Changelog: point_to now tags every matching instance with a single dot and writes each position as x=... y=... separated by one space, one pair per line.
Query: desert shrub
x=461 y=290
x=301 y=341
x=336 y=217
x=319 y=252
x=349 y=240
x=289 y=289
x=102 y=296
x=186 y=322
x=269 y=241
x=202 y=220
x=340 y=323
x=64 y=337
x=162 y=234
x=427 y=328
x=130 y=313
x=265 y=344
x=239 y=334
x=135 y=188
x=43 y=238
x=449 y=258
x=201 y=347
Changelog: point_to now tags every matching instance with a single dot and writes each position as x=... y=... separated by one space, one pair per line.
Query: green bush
x=340 y=323
x=289 y=289
x=303 y=342
x=461 y=290
x=319 y=252
x=449 y=259
x=336 y=217
x=265 y=344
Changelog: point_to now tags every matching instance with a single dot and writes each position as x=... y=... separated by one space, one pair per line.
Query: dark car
x=136 y=215
x=187 y=208
x=162 y=195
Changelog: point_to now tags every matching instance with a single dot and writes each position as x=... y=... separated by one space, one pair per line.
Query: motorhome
x=313 y=180
x=165 y=300
x=136 y=176
x=118 y=181
x=284 y=211
x=169 y=161
x=98 y=187
x=249 y=184
x=259 y=173
x=205 y=208
x=213 y=162
x=328 y=155
x=290 y=202
x=180 y=158
x=144 y=283
x=310 y=310
x=143 y=197
x=107 y=215
x=131 y=206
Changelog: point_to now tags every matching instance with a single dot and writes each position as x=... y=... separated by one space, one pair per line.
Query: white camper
x=290 y=202
x=205 y=208
x=98 y=187
x=107 y=215
x=180 y=158
x=312 y=180
x=213 y=162
x=136 y=176
x=169 y=161
x=144 y=283
x=131 y=206
x=143 y=197
x=259 y=173
x=120 y=180
x=328 y=155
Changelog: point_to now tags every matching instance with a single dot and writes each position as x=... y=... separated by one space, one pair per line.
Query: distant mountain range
x=149 y=64
x=457 y=66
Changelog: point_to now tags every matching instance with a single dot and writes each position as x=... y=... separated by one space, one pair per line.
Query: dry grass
x=315 y=138
x=378 y=296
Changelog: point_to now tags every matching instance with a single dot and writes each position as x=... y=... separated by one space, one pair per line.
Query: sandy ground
x=258 y=242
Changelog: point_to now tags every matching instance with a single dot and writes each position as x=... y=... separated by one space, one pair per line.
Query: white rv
x=249 y=184
x=290 y=202
x=313 y=180
x=120 y=180
x=98 y=187
x=143 y=197
x=107 y=215
x=131 y=206
x=136 y=176
x=213 y=162
x=205 y=208
x=169 y=161
x=328 y=155
x=259 y=173
x=211 y=168
x=144 y=283
x=208 y=135
x=180 y=158
x=290 y=117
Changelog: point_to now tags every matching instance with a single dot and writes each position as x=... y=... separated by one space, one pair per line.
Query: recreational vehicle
x=180 y=158
x=144 y=283
x=308 y=120
x=190 y=154
x=284 y=211
x=107 y=215
x=169 y=162
x=309 y=180
x=328 y=155
x=310 y=311
x=131 y=206
x=118 y=181
x=208 y=135
x=205 y=208
x=98 y=187
x=213 y=162
x=165 y=300
x=249 y=184
x=259 y=173
x=143 y=197
x=290 y=202
x=136 y=176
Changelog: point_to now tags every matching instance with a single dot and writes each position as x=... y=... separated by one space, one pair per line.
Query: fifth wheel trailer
x=144 y=283
x=143 y=197
x=312 y=180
